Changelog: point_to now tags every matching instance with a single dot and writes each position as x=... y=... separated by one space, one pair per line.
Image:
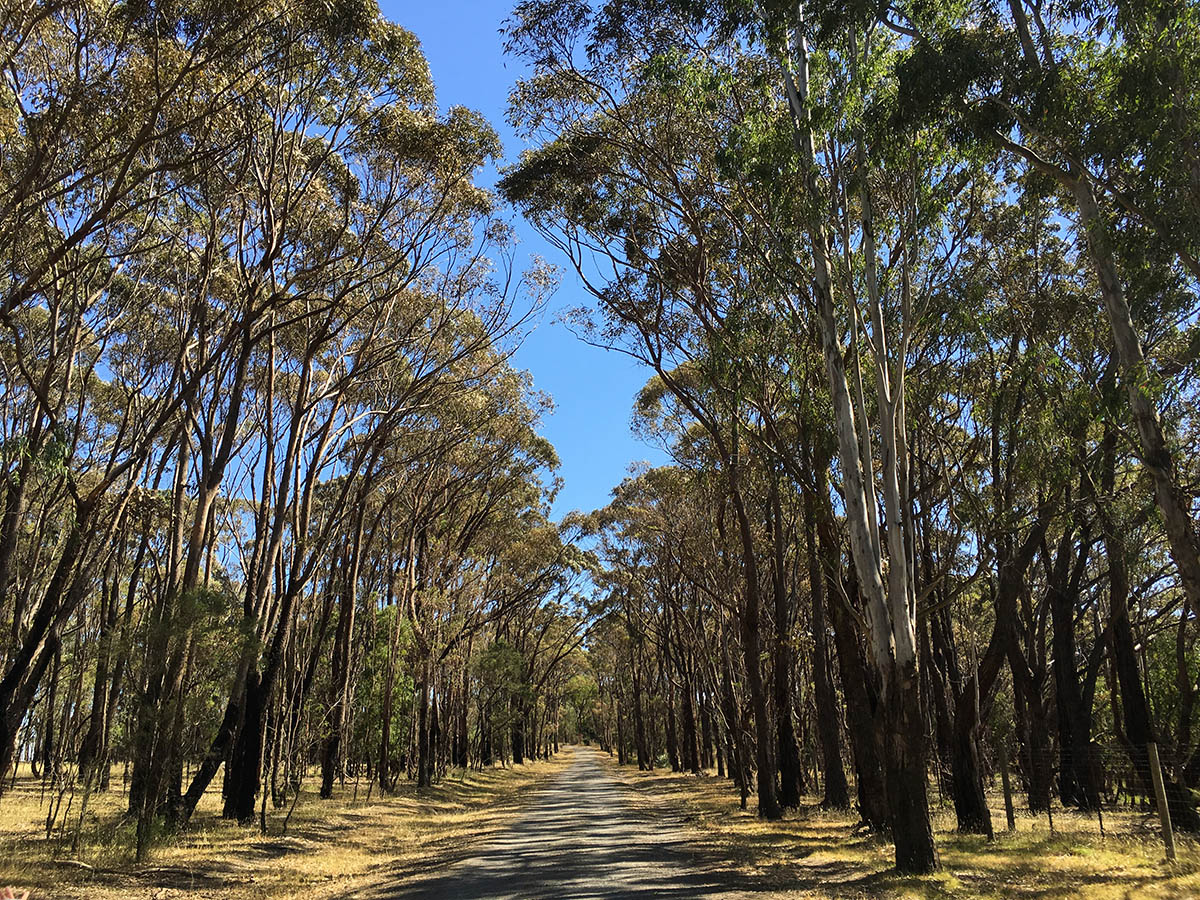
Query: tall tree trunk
x=837 y=791
x=1076 y=782
x=673 y=756
x=736 y=764
x=706 y=730
x=621 y=757
x=858 y=681
x=245 y=762
x=243 y=768
x=339 y=677
x=645 y=763
x=905 y=774
x=1139 y=729
x=691 y=752
x=91 y=757
x=424 y=749
x=433 y=743
x=518 y=733
x=768 y=804
x=33 y=655
x=790 y=772
x=890 y=613
x=1157 y=458
x=1038 y=762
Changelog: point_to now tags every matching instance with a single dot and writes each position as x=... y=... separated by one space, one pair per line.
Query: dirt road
x=580 y=838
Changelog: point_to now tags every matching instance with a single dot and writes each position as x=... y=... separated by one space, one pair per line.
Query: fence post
x=1004 y=782
x=1160 y=797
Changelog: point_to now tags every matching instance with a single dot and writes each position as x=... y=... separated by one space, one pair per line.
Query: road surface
x=580 y=838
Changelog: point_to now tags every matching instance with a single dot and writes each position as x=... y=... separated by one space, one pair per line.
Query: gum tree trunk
x=768 y=803
x=788 y=748
x=890 y=609
x=837 y=791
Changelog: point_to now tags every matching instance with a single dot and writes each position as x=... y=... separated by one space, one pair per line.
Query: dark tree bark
x=644 y=761
x=1076 y=781
x=669 y=718
x=768 y=803
x=858 y=682
x=788 y=748
x=243 y=768
x=462 y=739
x=737 y=766
x=92 y=758
x=621 y=756
x=706 y=731
x=434 y=743
x=1138 y=727
x=904 y=763
x=518 y=734
x=339 y=677
x=425 y=731
x=33 y=655
x=1033 y=725
x=691 y=753
x=837 y=790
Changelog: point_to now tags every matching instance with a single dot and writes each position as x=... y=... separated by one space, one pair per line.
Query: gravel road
x=580 y=838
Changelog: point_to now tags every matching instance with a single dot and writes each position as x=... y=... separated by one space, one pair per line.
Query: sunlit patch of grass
x=819 y=853
x=330 y=848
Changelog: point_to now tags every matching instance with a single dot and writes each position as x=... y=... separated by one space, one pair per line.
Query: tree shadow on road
x=580 y=839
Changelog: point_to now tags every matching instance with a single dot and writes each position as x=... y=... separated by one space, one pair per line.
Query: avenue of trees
x=917 y=287
x=272 y=497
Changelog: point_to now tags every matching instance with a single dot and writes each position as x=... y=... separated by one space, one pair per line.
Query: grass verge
x=331 y=848
x=818 y=853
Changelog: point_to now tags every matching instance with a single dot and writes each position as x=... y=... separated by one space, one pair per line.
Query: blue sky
x=593 y=390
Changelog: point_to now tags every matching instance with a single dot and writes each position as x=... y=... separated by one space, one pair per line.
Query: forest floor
x=330 y=848
x=814 y=853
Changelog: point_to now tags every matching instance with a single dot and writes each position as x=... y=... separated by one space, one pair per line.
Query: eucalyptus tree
x=621 y=179
x=110 y=113
x=478 y=545
x=647 y=541
x=111 y=109
x=253 y=301
x=333 y=262
x=1097 y=100
x=682 y=247
x=1092 y=98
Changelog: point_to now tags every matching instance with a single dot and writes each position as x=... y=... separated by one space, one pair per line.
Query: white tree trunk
x=1156 y=455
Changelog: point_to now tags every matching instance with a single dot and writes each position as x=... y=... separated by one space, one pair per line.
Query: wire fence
x=1137 y=792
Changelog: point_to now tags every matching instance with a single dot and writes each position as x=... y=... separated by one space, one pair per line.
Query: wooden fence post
x=1160 y=797
x=1004 y=782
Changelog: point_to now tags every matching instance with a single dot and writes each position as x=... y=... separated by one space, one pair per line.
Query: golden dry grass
x=815 y=853
x=331 y=848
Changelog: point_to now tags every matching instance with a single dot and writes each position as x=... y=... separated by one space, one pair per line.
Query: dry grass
x=331 y=848
x=814 y=853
